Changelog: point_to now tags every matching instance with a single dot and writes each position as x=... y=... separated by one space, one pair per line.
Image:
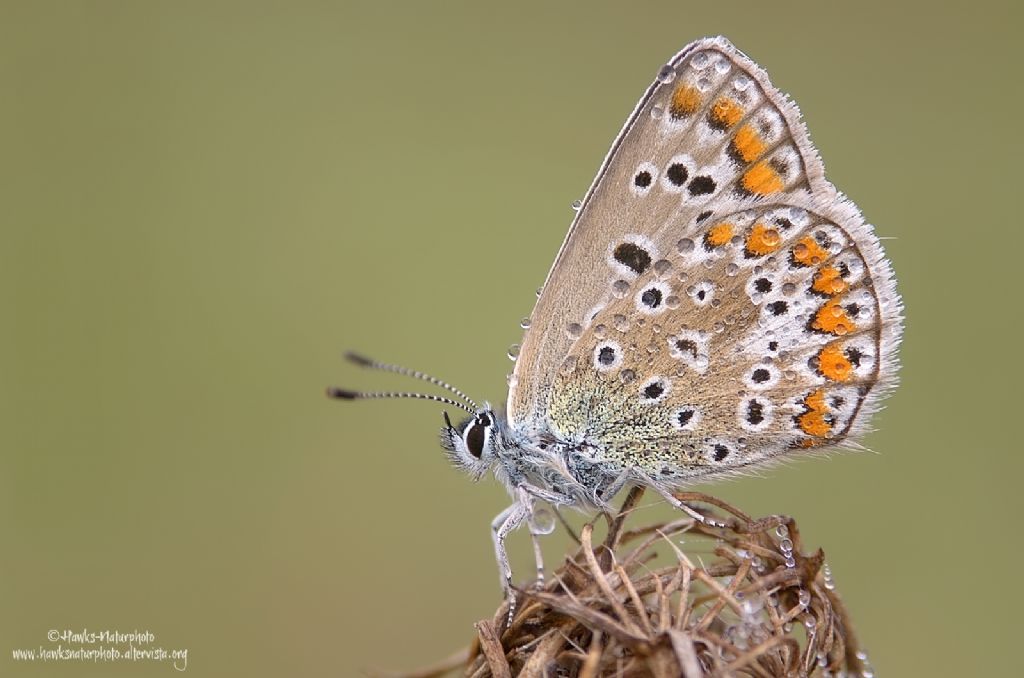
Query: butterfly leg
x=510 y=519
x=538 y=556
x=688 y=510
x=608 y=493
x=501 y=526
x=527 y=493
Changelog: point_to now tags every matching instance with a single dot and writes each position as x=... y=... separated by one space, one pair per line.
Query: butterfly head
x=472 y=444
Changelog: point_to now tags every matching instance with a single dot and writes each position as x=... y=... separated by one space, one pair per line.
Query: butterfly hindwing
x=765 y=328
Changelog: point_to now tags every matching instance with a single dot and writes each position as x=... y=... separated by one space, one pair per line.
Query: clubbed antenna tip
x=360 y=360
x=342 y=394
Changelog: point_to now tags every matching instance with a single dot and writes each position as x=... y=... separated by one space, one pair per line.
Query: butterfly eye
x=476 y=434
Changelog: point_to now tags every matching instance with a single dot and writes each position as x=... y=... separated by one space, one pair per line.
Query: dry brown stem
x=761 y=606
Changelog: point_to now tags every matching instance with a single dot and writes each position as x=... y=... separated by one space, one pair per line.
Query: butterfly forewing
x=715 y=302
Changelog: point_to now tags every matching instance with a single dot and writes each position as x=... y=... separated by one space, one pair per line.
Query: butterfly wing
x=771 y=326
x=710 y=129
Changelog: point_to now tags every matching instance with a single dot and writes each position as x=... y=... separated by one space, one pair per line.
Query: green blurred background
x=203 y=203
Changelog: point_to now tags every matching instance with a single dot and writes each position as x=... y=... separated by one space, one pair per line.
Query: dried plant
x=759 y=607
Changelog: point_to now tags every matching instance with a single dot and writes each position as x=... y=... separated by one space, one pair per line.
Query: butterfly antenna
x=363 y=361
x=342 y=394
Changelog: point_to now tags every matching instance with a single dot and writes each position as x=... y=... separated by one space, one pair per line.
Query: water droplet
x=657 y=111
x=672 y=301
x=703 y=84
x=513 y=351
x=667 y=74
x=716 y=302
x=652 y=348
x=685 y=245
x=732 y=269
x=574 y=330
x=620 y=288
x=826 y=572
x=569 y=364
x=790 y=375
x=810 y=623
x=539 y=290
x=627 y=376
x=788 y=288
x=786 y=545
x=511 y=380
x=752 y=606
x=741 y=83
x=525 y=323
x=600 y=331
x=803 y=597
x=576 y=205
x=791 y=562
x=782 y=531
x=620 y=322
x=719 y=327
x=542 y=521
x=800 y=250
x=841 y=330
x=722 y=66
x=662 y=267
x=700 y=60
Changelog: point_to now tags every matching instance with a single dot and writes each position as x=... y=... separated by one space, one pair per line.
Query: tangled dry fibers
x=760 y=607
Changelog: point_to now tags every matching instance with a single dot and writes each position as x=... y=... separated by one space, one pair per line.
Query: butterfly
x=717 y=305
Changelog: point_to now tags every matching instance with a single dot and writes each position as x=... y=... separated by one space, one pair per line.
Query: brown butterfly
x=717 y=305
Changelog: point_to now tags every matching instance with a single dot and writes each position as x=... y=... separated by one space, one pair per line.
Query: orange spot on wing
x=832 y=318
x=762 y=179
x=834 y=364
x=685 y=100
x=829 y=281
x=763 y=240
x=807 y=252
x=719 y=234
x=747 y=144
x=725 y=113
x=812 y=422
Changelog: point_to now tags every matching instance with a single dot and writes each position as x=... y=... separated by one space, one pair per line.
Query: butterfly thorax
x=574 y=471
